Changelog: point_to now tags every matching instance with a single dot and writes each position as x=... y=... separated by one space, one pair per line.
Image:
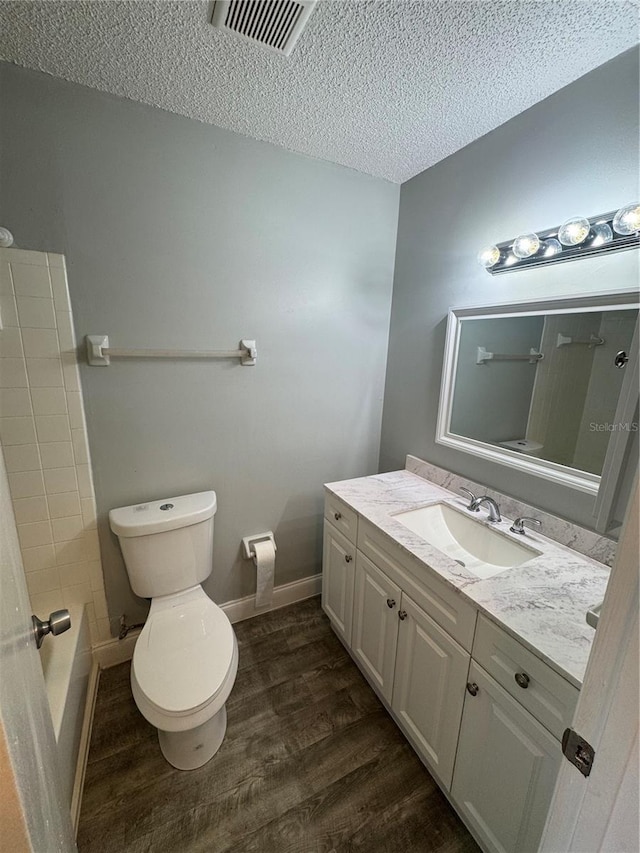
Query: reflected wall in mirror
x=536 y=386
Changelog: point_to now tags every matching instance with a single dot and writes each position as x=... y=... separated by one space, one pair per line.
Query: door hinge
x=576 y=750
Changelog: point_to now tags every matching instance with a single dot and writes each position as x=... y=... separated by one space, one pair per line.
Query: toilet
x=186 y=658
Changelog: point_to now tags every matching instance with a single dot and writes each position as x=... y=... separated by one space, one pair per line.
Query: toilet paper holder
x=248 y=543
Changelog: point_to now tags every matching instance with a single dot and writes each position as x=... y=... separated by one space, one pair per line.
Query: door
x=338 y=570
x=429 y=687
x=40 y=821
x=506 y=768
x=600 y=811
x=375 y=624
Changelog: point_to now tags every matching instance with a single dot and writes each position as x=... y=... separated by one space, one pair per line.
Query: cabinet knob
x=473 y=688
x=522 y=680
x=391 y=602
x=402 y=614
x=348 y=558
x=337 y=516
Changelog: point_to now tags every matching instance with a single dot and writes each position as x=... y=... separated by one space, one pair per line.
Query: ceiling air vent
x=276 y=24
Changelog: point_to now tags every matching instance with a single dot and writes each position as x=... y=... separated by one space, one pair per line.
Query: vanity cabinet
x=506 y=767
x=484 y=713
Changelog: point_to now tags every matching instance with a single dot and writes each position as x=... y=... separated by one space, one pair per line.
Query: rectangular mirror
x=536 y=386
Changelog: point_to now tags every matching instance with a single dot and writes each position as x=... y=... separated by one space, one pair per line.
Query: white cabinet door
x=375 y=624
x=338 y=562
x=505 y=769
x=429 y=688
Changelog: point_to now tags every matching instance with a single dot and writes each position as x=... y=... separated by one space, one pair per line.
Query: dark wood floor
x=311 y=763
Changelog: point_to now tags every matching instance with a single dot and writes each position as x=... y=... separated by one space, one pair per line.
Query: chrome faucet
x=518 y=524
x=494 y=509
x=476 y=503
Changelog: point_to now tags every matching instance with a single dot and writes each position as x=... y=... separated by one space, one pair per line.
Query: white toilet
x=186 y=658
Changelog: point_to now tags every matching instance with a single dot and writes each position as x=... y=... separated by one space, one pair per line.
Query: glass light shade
x=602 y=234
x=574 y=231
x=526 y=245
x=552 y=247
x=489 y=256
x=627 y=220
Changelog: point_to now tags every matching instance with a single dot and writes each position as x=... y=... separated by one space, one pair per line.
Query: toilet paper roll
x=265 y=560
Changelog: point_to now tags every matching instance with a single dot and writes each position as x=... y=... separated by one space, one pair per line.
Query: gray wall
x=575 y=152
x=178 y=234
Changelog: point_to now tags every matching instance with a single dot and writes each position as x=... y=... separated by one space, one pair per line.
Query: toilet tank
x=167 y=545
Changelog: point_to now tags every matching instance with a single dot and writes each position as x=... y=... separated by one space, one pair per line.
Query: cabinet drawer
x=342 y=517
x=439 y=601
x=547 y=696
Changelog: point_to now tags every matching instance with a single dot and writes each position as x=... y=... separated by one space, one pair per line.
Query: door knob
x=58 y=622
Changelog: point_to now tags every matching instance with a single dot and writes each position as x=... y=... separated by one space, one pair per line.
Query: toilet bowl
x=186 y=658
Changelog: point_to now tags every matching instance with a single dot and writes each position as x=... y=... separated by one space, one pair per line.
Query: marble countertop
x=542 y=603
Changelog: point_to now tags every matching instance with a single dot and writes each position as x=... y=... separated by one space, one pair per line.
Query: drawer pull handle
x=522 y=680
x=337 y=516
x=473 y=688
x=348 y=558
x=402 y=614
x=391 y=602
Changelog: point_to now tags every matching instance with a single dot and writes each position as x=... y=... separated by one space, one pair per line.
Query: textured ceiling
x=388 y=88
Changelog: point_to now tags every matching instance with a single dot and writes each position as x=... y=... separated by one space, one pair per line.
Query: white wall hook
x=249 y=541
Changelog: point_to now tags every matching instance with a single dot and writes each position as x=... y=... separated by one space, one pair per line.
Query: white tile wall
x=44 y=438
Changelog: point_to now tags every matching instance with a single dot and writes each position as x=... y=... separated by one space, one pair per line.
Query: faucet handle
x=472 y=500
x=518 y=524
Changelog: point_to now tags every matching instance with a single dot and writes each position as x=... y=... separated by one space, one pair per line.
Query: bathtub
x=68 y=670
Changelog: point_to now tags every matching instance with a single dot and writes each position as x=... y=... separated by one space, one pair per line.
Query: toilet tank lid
x=160 y=516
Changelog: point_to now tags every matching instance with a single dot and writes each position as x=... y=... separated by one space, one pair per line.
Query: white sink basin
x=482 y=550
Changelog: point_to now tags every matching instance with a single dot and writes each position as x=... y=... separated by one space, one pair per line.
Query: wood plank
x=311 y=762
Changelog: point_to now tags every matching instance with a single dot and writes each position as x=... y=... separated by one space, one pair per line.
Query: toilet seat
x=185 y=656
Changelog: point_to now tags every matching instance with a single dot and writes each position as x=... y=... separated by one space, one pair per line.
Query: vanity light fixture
x=578 y=237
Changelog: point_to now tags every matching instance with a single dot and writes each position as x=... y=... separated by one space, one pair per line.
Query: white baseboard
x=113 y=652
x=288 y=593
x=83 y=749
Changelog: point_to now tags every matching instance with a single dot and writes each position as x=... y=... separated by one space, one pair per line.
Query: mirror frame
x=628 y=401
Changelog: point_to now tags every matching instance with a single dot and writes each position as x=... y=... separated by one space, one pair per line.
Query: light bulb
x=574 y=231
x=602 y=234
x=489 y=256
x=627 y=220
x=526 y=245
x=552 y=247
